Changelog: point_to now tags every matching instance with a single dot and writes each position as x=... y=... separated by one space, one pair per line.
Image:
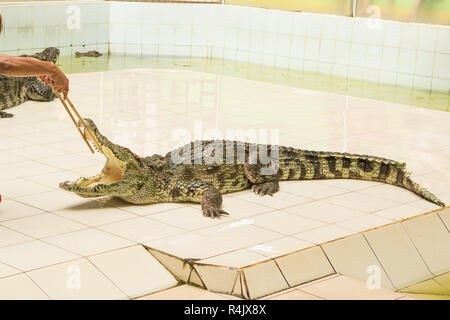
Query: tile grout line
x=378 y=260
x=318 y=280
x=328 y=259
x=245 y=285
x=33 y=216
x=415 y=247
x=12 y=267
x=442 y=220
x=79 y=257
x=106 y=277
x=193 y=269
x=282 y=274
x=56 y=235
x=238 y=277
x=179 y=280
x=37 y=285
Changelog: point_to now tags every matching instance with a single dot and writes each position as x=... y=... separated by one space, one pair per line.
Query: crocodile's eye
x=212 y=169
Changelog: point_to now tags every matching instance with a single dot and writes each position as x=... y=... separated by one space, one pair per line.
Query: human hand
x=57 y=80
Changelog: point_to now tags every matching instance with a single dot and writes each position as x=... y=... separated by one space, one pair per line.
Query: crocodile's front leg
x=212 y=202
x=201 y=192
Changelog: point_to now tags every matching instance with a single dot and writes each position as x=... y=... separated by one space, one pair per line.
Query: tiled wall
x=409 y=55
x=34 y=26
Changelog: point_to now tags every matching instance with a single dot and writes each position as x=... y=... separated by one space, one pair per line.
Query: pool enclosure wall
x=387 y=52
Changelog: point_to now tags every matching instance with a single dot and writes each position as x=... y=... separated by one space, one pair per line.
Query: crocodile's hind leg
x=4 y=114
x=198 y=191
x=11 y=94
x=262 y=183
x=38 y=91
x=9 y=101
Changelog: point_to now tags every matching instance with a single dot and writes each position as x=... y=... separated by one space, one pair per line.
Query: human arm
x=48 y=72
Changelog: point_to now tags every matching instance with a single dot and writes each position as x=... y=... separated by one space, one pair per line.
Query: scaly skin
x=158 y=179
x=49 y=54
x=17 y=90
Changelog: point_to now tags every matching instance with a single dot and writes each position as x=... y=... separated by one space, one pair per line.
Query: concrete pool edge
x=372 y=256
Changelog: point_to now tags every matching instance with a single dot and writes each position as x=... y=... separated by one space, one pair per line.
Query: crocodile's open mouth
x=112 y=172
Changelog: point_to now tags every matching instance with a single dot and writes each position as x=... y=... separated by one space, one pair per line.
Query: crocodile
x=49 y=54
x=201 y=171
x=91 y=53
x=17 y=90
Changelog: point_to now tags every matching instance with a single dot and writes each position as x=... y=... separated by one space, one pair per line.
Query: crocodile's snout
x=66 y=184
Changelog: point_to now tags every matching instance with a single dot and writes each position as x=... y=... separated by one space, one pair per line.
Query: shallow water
x=307 y=80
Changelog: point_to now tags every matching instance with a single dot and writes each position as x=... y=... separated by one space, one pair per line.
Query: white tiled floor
x=88 y=241
x=57 y=283
x=42 y=227
x=335 y=287
x=344 y=288
x=134 y=271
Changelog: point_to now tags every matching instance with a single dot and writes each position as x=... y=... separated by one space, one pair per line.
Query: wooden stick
x=74 y=122
x=93 y=138
x=76 y=112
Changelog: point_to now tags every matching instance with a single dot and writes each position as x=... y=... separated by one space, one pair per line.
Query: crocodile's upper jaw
x=119 y=160
x=112 y=172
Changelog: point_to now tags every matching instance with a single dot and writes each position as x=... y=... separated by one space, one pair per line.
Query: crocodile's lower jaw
x=112 y=172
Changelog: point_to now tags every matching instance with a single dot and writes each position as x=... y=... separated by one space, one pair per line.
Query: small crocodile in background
x=17 y=90
x=159 y=179
x=92 y=53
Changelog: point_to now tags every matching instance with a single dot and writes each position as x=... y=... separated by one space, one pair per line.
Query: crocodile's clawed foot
x=4 y=114
x=266 y=188
x=214 y=212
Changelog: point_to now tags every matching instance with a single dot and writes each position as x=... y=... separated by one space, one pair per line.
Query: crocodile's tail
x=304 y=165
x=409 y=184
